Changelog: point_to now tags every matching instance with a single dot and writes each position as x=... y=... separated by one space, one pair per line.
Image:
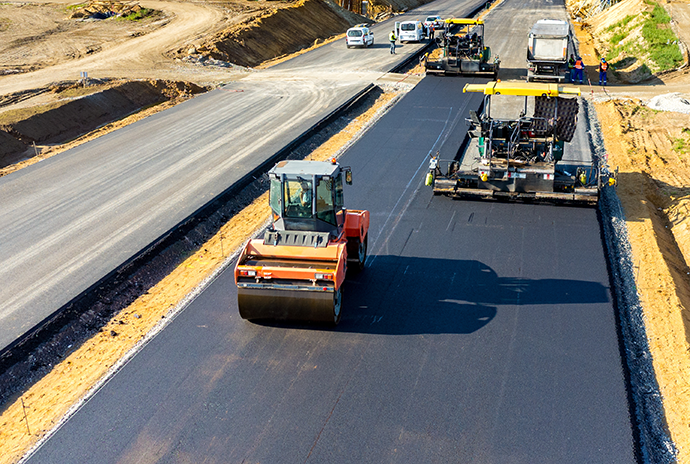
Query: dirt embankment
x=77 y=110
x=277 y=32
x=652 y=150
x=653 y=189
x=637 y=37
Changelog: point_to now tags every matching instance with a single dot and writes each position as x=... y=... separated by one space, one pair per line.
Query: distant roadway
x=479 y=332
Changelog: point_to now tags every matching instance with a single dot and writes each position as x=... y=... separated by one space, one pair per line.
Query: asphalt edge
x=52 y=324
x=653 y=441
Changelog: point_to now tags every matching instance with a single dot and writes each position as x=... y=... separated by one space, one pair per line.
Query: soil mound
x=278 y=32
x=103 y=10
x=80 y=110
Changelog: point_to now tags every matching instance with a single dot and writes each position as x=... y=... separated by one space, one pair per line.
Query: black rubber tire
x=356 y=255
x=362 y=248
x=337 y=306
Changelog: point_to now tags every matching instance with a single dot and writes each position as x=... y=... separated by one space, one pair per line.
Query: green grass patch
x=75 y=7
x=686 y=130
x=680 y=146
x=659 y=15
x=662 y=41
x=622 y=23
x=617 y=37
x=139 y=15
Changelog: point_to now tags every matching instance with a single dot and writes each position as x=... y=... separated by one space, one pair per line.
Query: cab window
x=324 y=200
x=274 y=197
x=339 y=202
x=298 y=201
x=354 y=33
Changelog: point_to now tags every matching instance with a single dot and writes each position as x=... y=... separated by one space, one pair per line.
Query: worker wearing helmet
x=603 y=67
x=579 y=69
x=392 y=38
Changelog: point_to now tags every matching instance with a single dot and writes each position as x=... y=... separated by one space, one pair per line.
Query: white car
x=359 y=36
x=434 y=21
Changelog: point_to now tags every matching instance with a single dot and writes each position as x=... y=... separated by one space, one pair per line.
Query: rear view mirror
x=348 y=177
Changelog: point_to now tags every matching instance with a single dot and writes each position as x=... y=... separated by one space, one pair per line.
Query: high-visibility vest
x=578 y=64
x=391 y=36
x=604 y=66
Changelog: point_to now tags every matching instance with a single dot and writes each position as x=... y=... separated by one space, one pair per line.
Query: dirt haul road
x=140 y=57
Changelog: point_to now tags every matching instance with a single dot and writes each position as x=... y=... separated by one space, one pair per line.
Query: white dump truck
x=548 y=50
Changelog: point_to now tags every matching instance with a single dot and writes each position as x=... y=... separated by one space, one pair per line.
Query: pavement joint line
x=414 y=194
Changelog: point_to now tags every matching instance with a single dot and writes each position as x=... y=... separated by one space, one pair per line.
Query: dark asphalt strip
x=479 y=332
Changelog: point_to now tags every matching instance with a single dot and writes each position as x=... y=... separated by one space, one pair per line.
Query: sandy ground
x=124 y=49
x=653 y=189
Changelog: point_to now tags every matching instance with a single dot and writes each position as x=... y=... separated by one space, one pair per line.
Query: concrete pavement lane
x=70 y=220
x=479 y=332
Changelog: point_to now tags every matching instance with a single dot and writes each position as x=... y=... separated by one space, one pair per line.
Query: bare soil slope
x=651 y=148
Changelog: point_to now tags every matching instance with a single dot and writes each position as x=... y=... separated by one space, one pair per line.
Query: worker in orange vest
x=603 y=66
x=579 y=69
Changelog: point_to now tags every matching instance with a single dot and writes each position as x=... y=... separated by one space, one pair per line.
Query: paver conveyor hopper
x=463 y=52
x=522 y=158
x=296 y=271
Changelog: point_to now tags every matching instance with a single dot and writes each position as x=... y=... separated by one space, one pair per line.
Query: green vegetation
x=686 y=130
x=661 y=39
x=617 y=37
x=680 y=146
x=139 y=15
x=621 y=30
x=622 y=23
x=75 y=6
x=659 y=49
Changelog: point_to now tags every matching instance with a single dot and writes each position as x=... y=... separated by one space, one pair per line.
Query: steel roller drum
x=294 y=305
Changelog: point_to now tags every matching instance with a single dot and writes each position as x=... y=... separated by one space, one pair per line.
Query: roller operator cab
x=296 y=271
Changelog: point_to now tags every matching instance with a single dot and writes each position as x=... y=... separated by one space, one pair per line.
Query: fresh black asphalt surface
x=479 y=332
x=68 y=221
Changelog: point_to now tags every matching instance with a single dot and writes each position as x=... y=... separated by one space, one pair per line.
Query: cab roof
x=305 y=168
x=521 y=89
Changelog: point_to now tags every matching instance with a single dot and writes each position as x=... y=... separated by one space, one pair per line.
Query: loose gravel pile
x=670 y=102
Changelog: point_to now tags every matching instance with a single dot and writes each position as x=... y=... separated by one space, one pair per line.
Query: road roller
x=296 y=271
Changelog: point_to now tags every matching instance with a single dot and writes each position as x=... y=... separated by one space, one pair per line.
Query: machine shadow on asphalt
x=457 y=296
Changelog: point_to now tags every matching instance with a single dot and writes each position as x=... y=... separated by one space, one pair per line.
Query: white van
x=359 y=36
x=411 y=31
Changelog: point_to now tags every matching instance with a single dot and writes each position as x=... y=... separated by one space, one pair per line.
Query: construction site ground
x=180 y=50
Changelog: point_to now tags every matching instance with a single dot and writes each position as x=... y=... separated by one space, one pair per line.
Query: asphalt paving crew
x=603 y=66
x=571 y=68
x=392 y=38
x=579 y=70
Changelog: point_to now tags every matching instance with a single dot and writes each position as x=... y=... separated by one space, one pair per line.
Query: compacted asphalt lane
x=68 y=221
x=478 y=332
